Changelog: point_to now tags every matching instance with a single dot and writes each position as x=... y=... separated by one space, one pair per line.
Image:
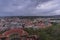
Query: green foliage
x=51 y=33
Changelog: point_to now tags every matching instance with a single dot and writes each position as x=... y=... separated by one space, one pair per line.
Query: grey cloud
x=28 y=7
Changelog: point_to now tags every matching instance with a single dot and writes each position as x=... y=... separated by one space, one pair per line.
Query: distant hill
x=55 y=16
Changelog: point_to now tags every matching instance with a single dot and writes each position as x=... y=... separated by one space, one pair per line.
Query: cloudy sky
x=29 y=7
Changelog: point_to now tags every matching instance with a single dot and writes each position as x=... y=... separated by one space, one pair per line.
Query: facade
x=16 y=34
